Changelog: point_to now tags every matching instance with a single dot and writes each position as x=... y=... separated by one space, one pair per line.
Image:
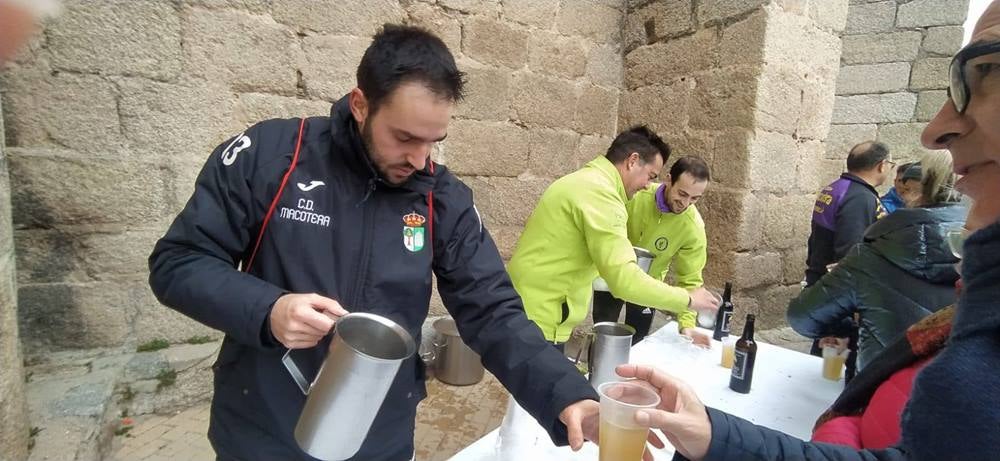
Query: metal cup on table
x=611 y=343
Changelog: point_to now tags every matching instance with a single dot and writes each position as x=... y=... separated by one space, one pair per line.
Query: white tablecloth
x=788 y=393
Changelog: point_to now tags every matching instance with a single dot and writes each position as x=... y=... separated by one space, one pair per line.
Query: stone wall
x=13 y=407
x=112 y=113
x=894 y=72
x=749 y=86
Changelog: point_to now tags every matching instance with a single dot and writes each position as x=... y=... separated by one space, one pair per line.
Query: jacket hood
x=916 y=240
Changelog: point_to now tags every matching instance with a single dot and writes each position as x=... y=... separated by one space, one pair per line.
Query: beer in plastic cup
x=833 y=362
x=621 y=438
x=728 y=351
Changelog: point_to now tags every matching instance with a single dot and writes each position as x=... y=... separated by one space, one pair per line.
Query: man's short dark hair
x=641 y=140
x=694 y=166
x=405 y=54
x=867 y=155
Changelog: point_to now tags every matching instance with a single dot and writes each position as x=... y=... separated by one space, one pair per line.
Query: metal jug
x=455 y=363
x=609 y=348
x=642 y=257
x=348 y=391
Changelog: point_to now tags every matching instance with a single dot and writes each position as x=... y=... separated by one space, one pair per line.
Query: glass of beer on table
x=621 y=439
x=833 y=362
x=728 y=351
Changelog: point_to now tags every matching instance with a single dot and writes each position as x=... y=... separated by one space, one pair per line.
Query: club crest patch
x=661 y=243
x=413 y=231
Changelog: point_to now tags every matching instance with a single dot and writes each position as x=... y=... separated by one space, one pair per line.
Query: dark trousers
x=607 y=308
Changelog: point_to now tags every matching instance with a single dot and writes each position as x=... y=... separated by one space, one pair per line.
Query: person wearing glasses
x=843 y=210
x=579 y=231
x=663 y=219
x=954 y=407
x=846 y=207
x=902 y=271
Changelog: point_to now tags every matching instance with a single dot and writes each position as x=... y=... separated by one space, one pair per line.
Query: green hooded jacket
x=577 y=232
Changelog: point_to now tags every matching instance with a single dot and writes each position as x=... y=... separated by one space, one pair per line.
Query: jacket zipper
x=366 y=244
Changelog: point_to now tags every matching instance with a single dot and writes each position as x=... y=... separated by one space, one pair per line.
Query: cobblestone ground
x=449 y=419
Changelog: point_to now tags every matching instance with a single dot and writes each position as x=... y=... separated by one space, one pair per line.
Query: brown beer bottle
x=746 y=355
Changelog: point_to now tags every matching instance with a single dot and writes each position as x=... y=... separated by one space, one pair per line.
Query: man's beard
x=368 y=140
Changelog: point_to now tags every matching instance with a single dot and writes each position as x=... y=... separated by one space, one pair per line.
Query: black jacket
x=903 y=271
x=842 y=212
x=342 y=238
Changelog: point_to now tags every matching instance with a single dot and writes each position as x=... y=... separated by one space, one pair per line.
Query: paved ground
x=449 y=419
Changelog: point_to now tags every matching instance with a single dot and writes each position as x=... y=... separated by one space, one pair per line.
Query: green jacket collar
x=602 y=164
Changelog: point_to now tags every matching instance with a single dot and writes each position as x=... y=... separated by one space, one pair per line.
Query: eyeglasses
x=965 y=75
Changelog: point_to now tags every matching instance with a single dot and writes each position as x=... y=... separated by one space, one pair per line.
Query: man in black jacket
x=846 y=207
x=363 y=224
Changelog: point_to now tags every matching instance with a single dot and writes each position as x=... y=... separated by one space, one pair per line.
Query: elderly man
x=846 y=207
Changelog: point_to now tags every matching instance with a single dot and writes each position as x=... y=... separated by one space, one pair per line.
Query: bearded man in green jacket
x=663 y=219
x=578 y=231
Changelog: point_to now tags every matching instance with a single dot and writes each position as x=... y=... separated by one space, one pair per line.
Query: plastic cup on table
x=728 y=351
x=833 y=362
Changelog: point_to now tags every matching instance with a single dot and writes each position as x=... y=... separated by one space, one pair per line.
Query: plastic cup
x=728 y=351
x=833 y=362
x=621 y=438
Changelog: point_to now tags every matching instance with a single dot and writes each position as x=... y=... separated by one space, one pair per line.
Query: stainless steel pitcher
x=610 y=346
x=455 y=363
x=643 y=258
x=348 y=391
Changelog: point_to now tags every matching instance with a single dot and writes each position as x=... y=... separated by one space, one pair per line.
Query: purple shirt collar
x=661 y=200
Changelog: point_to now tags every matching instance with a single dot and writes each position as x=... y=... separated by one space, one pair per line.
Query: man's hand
x=680 y=415
x=581 y=422
x=299 y=321
x=703 y=300
x=697 y=337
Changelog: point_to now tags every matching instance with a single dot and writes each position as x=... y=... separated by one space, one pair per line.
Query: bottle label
x=726 y=317
x=740 y=364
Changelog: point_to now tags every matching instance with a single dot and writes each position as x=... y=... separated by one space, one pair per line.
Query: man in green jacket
x=579 y=231
x=662 y=219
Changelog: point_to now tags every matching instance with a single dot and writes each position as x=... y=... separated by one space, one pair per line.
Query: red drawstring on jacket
x=277 y=197
x=430 y=211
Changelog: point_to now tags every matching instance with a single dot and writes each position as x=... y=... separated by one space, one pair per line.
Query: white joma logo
x=312 y=185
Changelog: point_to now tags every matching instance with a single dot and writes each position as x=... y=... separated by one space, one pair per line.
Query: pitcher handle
x=304 y=385
x=590 y=351
x=293 y=370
